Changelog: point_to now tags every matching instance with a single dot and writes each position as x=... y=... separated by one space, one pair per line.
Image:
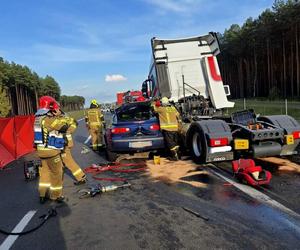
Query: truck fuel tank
x=266 y=148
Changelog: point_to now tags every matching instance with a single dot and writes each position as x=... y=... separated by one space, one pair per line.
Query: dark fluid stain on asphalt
x=201 y=177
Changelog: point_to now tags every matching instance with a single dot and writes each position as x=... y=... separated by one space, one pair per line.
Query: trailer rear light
x=218 y=142
x=120 y=130
x=154 y=127
x=296 y=134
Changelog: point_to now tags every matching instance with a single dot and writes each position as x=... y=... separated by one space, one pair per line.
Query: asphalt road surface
x=150 y=214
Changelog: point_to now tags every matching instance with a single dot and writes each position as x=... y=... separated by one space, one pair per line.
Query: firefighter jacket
x=94 y=118
x=72 y=125
x=169 y=118
x=48 y=136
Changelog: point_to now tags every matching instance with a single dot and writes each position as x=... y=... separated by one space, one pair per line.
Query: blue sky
x=96 y=48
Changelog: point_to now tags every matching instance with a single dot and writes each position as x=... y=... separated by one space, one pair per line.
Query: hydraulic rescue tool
x=98 y=189
x=50 y=213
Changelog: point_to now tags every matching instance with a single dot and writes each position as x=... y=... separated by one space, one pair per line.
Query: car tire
x=110 y=156
x=197 y=145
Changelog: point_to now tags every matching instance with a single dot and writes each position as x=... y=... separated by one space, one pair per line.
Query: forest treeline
x=20 y=89
x=261 y=58
x=70 y=103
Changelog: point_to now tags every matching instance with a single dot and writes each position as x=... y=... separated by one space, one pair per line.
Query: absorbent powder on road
x=172 y=172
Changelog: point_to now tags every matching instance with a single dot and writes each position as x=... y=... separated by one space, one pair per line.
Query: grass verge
x=77 y=114
x=268 y=107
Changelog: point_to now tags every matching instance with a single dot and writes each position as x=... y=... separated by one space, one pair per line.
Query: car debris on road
x=85 y=150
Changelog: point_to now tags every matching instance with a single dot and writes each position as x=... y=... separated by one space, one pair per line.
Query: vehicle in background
x=134 y=129
x=106 y=110
x=129 y=96
x=186 y=71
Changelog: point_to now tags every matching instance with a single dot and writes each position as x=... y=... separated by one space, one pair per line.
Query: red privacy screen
x=16 y=138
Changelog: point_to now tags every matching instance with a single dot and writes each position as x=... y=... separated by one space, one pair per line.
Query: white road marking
x=79 y=120
x=257 y=195
x=9 y=241
x=88 y=139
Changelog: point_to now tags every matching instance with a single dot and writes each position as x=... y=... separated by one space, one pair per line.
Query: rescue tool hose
x=114 y=167
x=51 y=213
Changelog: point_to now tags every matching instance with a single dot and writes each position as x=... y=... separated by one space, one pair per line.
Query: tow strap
x=51 y=213
x=114 y=167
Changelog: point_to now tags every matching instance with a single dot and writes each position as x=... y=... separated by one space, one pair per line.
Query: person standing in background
x=94 y=122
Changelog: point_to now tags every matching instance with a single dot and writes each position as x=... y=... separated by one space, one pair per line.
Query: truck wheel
x=197 y=145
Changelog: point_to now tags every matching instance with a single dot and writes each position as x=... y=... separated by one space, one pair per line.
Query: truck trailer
x=187 y=72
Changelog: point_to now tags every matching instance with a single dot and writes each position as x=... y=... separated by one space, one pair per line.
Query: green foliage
x=4 y=103
x=23 y=86
x=263 y=51
x=50 y=87
x=69 y=103
x=12 y=74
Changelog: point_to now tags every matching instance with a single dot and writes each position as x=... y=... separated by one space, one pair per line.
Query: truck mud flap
x=222 y=156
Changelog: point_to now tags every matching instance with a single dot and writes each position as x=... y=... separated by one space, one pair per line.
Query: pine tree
x=4 y=103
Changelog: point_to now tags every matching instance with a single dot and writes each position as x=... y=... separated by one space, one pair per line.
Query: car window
x=134 y=112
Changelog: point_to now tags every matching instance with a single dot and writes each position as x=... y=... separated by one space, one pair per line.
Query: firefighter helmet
x=47 y=103
x=94 y=104
x=165 y=100
x=140 y=99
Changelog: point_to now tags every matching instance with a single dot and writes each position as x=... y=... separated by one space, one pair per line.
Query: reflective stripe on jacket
x=168 y=117
x=49 y=141
x=94 y=117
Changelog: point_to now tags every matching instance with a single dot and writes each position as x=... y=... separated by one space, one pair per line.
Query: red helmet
x=47 y=103
x=140 y=99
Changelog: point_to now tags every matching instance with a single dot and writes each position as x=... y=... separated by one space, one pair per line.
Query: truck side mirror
x=145 y=89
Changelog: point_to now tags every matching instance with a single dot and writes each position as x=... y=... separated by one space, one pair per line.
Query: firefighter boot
x=174 y=152
x=80 y=182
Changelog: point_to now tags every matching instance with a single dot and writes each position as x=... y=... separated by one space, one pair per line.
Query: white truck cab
x=186 y=67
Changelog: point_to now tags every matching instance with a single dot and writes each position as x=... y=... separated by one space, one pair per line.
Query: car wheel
x=197 y=145
x=110 y=156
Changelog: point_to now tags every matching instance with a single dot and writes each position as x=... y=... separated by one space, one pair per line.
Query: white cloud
x=115 y=78
x=175 y=5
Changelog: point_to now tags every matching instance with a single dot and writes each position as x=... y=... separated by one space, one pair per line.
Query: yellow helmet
x=94 y=102
x=165 y=100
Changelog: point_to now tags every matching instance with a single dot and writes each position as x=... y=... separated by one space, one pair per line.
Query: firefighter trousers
x=51 y=177
x=96 y=134
x=72 y=165
x=171 y=141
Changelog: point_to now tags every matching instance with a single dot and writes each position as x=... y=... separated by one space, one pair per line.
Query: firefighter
x=94 y=121
x=169 y=119
x=49 y=143
x=67 y=157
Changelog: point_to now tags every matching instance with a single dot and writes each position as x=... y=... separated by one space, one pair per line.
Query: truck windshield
x=134 y=112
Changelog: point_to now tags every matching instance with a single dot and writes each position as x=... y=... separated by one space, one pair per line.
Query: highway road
x=150 y=214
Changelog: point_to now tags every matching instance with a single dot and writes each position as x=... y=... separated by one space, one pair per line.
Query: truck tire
x=197 y=145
